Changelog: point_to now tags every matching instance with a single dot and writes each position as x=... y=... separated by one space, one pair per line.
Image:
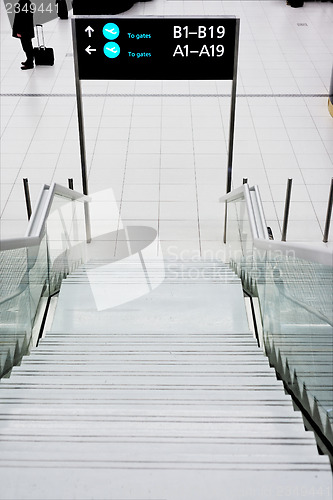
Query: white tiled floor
x=164 y=153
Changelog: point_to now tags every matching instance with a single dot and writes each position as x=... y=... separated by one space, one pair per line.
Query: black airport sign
x=114 y=48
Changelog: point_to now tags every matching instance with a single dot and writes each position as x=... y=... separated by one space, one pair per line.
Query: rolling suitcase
x=62 y=9
x=44 y=56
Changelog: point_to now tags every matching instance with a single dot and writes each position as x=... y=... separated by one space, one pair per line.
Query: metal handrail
x=36 y=225
x=305 y=251
x=261 y=221
x=251 y=195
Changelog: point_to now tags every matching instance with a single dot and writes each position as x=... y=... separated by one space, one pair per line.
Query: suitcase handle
x=42 y=35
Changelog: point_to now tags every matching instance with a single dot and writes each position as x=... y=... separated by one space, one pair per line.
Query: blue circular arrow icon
x=111 y=50
x=111 y=31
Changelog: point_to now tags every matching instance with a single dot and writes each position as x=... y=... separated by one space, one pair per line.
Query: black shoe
x=27 y=66
x=24 y=62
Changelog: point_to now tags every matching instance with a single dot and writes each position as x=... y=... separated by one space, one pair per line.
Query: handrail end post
x=286 y=210
x=27 y=197
x=328 y=214
x=225 y=224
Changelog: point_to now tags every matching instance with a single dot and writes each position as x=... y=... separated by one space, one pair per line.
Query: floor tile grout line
x=195 y=181
x=300 y=168
x=243 y=95
x=124 y=178
x=27 y=150
x=159 y=182
x=63 y=143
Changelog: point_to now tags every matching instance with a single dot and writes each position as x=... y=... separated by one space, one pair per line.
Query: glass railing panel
x=66 y=238
x=296 y=300
x=239 y=237
x=15 y=307
x=295 y=297
x=37 y=258
x=35 y=267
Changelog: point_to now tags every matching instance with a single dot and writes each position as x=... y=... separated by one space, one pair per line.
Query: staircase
x=150 y=386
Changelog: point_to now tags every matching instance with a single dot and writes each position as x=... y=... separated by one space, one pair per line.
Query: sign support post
x=231 y=127
x=233 y=109
x=81 y=134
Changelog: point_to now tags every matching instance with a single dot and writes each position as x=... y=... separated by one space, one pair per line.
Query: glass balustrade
x=66 y=239
x=296 y=303
x=33 y=271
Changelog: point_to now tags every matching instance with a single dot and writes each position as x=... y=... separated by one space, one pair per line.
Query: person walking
x=23 y=28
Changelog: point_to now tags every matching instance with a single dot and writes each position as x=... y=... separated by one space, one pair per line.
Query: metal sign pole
x=81 y=132
x=232 y=125
x=233 y=109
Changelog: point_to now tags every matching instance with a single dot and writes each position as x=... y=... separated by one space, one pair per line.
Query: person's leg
x=29 y=51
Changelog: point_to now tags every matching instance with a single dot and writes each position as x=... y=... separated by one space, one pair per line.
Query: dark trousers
x=28 y=48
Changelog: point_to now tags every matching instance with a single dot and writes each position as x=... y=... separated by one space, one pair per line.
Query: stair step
x=155 y=396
